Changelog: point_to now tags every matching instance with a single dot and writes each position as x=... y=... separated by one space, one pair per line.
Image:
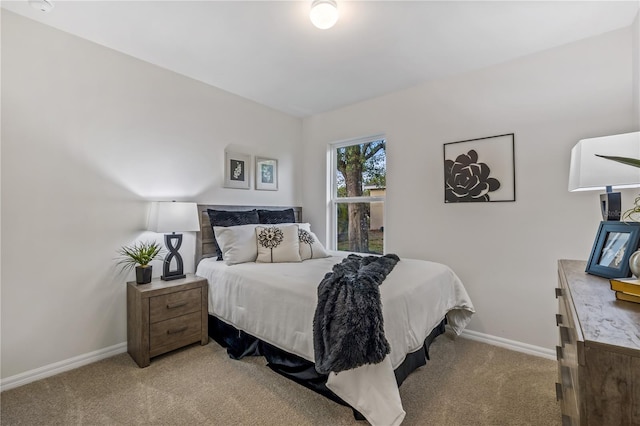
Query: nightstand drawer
x=175 y=333
x=174 y=304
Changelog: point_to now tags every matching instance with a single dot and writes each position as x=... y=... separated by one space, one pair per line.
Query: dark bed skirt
x=240 y=344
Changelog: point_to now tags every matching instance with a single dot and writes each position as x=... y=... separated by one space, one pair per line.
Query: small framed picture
x=266 y=174
x=614 y=244
x=237 y=170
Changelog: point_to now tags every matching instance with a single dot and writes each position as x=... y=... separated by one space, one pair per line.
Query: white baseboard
x=81 y=360
x=61 y=366
x=509 y=344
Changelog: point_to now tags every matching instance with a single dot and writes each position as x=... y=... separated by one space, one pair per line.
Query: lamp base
x=173 y=243
x=611 y=205
x=172 y=277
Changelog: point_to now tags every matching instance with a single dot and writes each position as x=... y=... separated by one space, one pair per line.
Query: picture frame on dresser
x=615 y=242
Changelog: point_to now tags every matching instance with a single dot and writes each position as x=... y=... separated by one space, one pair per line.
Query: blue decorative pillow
x=276 y=216
x=231 y=218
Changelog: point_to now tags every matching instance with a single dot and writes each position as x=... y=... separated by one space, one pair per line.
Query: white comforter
x=276 y=303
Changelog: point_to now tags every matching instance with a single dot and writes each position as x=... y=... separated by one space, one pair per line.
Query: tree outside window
x=358 y=195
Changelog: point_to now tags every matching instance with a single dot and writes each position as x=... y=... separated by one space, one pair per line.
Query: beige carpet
x=465 y=383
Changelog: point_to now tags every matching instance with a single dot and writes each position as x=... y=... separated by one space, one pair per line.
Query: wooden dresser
x=165 y=315
x=599 y=352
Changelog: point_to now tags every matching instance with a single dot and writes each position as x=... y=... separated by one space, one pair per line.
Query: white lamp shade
x=588 y=172
x=324 y=13
x=171 y=216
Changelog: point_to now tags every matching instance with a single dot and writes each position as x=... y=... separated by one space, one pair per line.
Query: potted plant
x=139 y=255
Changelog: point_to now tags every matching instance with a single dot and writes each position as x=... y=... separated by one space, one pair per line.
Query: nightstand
x=165 y=315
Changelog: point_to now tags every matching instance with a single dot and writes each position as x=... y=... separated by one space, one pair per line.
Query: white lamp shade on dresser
x=588 y=172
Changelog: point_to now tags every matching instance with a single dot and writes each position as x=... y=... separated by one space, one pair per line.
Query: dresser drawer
x=568 y=403
x=566 y=327
x=174 y=304
x=568 y=362
x=567 y=335
x=175 y=333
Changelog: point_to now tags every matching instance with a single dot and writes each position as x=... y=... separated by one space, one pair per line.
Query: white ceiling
x=269 y=51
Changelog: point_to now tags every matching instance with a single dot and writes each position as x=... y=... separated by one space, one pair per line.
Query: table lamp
x=171 y=216
x=588 y=172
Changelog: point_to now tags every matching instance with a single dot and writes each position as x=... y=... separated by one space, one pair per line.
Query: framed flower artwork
x=266 y=174
x=237 y=170
x=480 y=170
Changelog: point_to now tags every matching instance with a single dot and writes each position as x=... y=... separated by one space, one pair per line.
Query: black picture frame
x=480 y=170
x=612 y=248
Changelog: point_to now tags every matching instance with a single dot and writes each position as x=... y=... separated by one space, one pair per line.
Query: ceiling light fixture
x=324 y=13
x=42 y=5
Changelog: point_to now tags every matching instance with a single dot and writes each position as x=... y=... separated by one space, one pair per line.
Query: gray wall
x=89 y=137
x=505 y=253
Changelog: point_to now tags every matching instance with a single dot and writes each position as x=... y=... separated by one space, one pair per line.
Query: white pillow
x=277 y=243
x=310 y=246
x=237 y=243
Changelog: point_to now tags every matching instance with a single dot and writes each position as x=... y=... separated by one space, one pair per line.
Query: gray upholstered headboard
x=205 y=245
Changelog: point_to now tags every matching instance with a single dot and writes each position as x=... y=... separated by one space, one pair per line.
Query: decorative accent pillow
x=278 y=243
x=310 y=246
x=230 y=218
x=277 y=216
x=237 y=243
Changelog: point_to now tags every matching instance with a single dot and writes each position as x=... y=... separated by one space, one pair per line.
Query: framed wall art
x=480 y=170
x=614 y=244
x=266 y=174
x=237 y=170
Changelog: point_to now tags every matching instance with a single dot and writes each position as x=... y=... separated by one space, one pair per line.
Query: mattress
x=276 y=303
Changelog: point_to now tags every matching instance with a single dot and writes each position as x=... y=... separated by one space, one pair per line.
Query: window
x=358 y=186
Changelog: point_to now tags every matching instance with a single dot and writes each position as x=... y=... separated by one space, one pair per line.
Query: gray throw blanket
x=348 y=329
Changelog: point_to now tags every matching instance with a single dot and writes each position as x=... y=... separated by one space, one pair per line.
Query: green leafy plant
x=138 y=254
x=633 y=162
x=629 y=214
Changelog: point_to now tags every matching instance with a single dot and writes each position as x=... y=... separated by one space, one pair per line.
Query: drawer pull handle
x=558 y=319
x=558 y=392
x=565 y=373
x=175 y=305
x=177 y=330
x=558 y=292
x=559 y=353
x=565 y=336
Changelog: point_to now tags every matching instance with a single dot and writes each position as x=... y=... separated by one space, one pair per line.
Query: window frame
x=332 y=188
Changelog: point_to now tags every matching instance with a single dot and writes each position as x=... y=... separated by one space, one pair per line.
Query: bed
x=268 y=309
